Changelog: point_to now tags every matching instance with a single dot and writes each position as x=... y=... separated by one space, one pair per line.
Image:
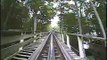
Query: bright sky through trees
x=54 y=21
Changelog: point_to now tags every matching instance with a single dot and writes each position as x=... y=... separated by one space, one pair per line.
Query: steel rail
x=65 y=53
x=37 y=52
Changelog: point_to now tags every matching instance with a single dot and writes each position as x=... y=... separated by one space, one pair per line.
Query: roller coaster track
x=51 y=48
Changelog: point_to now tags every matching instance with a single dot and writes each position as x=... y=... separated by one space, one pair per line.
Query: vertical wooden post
x=68 y=42
x=63 y=38
x=81 y=49
x=80 y=39
x=35 y=25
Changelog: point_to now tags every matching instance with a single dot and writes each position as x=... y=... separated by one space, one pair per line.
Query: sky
x=54 y=21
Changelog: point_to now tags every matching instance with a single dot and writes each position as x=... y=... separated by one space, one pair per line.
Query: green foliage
x=35 y=4
x=13 y=14
x=16 y=16
x=43 y=27
x=29 y=25
x=70 y=21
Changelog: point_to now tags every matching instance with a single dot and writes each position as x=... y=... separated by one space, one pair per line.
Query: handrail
x=13 y=39
x=16 y=42
x=87 y=36
x=16 y=38
x=11 y=51
x=36 y=53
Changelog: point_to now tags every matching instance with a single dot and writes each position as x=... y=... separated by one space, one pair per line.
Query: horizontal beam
x=87 y=36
